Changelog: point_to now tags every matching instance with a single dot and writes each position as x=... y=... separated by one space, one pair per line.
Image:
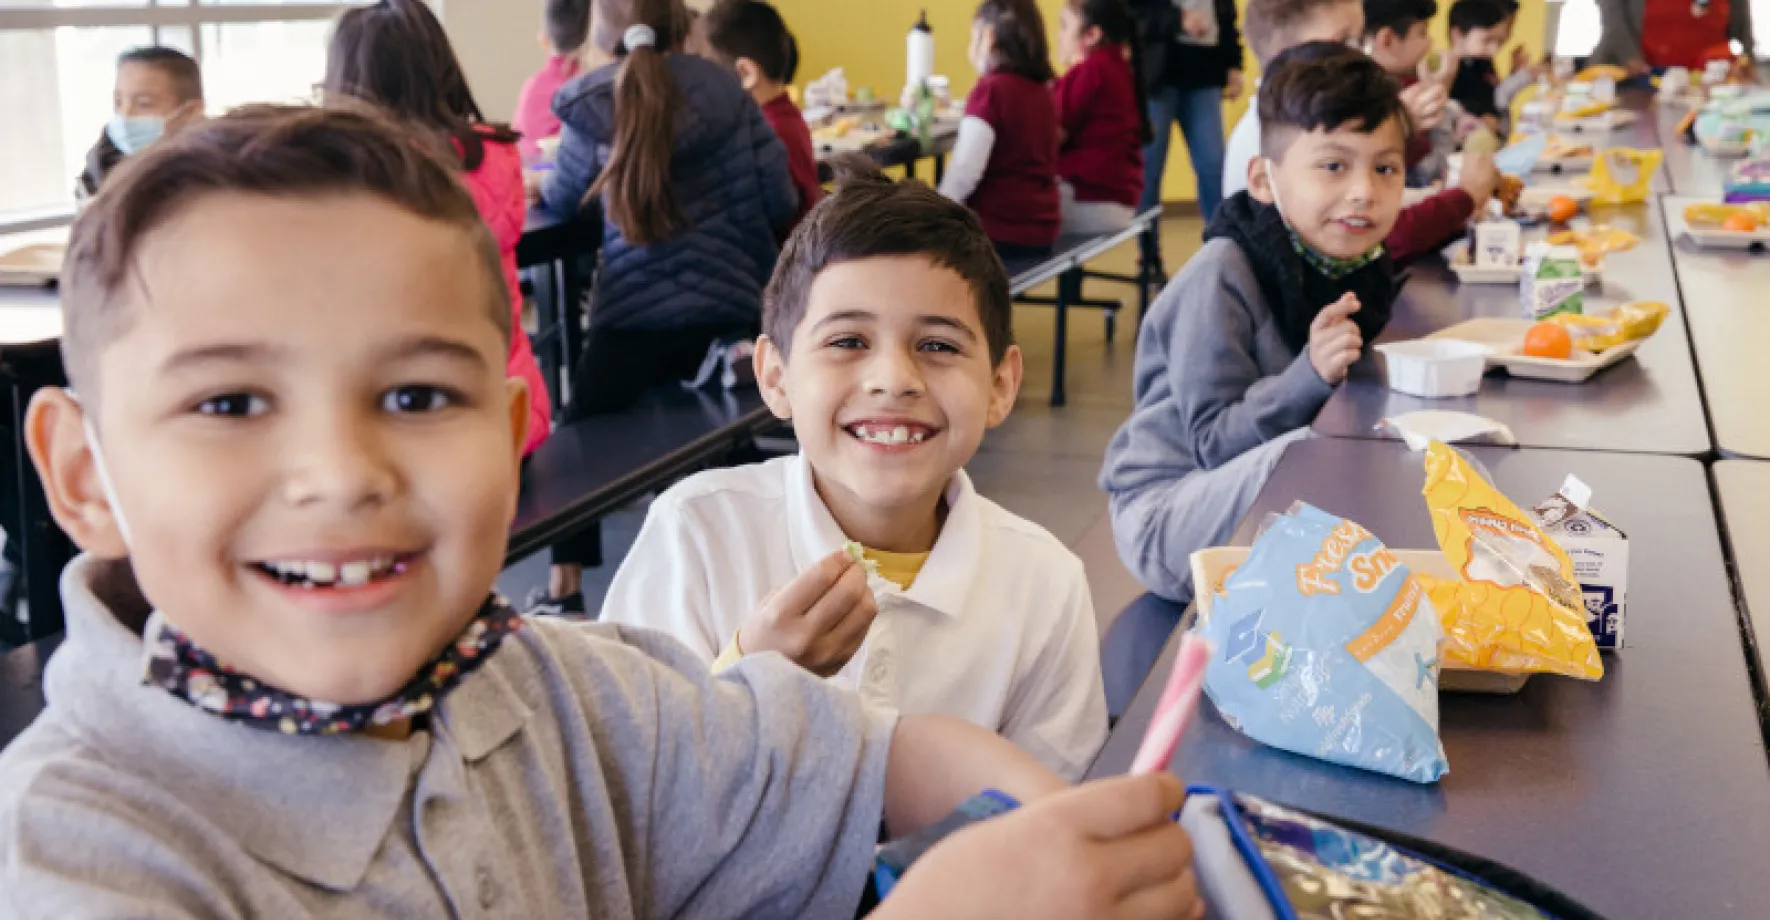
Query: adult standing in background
x=1651 y=35
x=1192 y=63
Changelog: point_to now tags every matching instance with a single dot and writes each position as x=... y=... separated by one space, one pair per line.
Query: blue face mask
x=132 y=133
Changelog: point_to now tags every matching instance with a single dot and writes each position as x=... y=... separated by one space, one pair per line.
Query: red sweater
x=1672 y=37
x=1102 y=153
x=789 y=124
x=1017 y=197
x=1430 y=225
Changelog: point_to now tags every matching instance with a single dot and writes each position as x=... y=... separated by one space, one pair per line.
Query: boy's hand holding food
x=820 y=618
x=1334 y=340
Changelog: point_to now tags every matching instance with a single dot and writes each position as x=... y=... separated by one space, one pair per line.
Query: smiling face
x=1340 y=190
x=311 y=437
x=890 y=388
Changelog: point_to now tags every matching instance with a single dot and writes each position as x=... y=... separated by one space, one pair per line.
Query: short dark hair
x=868 y=216
x=1399 y=16
x=1269 y=23
x=755 y=30
x=1325 y=85
x=1468 y=15
x=567 y=24
x=1021 y=48
x=187 y=77
x=292 y=151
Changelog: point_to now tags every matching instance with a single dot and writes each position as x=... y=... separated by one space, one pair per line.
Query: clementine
x=1548 y=340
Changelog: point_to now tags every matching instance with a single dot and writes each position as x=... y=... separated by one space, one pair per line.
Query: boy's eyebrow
x=843 y=316
x=221 y=353
x=927 y=319
x=948 y=322
x=431 y=346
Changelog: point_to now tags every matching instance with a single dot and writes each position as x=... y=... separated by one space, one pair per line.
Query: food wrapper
x=1710 y=213
x=1627 y=323
x=1517 y=606
x=1419 y=429
x=1328 y=646
x=1621 y=175
x=1595 y=242
x=1520 y=157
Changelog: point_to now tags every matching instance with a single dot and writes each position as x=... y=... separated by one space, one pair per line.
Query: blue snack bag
x=1328 y=646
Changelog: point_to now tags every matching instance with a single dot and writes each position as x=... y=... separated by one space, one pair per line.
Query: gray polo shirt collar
x=320 y=813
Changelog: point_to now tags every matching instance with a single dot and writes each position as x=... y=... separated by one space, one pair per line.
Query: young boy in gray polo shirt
x=286 y=688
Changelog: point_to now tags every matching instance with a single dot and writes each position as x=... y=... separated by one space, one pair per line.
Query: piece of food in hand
x=1511 y=189
x=1563 y=209
x=858 y=553
x=1548 y=340
x=1481 y=140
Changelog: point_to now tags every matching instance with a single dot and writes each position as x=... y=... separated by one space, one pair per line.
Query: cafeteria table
x=1645 y=794
x=1729 y=323
x=1742 y=492
x=1650 y=403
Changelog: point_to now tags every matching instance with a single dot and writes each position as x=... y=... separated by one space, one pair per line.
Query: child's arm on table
x=937 y=762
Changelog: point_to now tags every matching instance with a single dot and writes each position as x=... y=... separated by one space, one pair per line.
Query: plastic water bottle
x=921 y=52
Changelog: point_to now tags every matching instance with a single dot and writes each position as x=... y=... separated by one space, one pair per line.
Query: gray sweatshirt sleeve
x=1226 y=404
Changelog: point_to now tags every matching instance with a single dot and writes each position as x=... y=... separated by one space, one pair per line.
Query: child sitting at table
x=1004 y=161
x=1245 y=345
x=396 y=55
x=1102 y=114
x=565 y=26
x=750 y=37
x=694 y=191
x=1425 y=227
x=1475 y=37
x=158 y=91
x=887 y=342
x=287 y=688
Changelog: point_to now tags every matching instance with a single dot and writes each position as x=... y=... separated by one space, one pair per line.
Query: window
x=57 y=66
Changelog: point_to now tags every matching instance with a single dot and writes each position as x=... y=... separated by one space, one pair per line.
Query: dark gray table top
x=1646 y=794
x=1650 y=403
x=1742 y=490
x=1729 y=324
x=1690 y=170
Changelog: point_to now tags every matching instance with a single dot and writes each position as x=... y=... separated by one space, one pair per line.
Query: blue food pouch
x=1328 y=646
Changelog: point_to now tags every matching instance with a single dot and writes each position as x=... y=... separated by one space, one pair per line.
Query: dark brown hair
x=635 y=184
x=755 y=30
x=1268 y=23
x=1325 y=85
x=1020 y=39
x=285 y=151
x=396 y=55
x=567 y=23
x=186 y=76
x=1118 y=26
x=869 y=216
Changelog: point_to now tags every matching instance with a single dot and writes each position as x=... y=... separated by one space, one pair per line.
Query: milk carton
x=1552 y=281
x=1497 y=244
x=1600 y=554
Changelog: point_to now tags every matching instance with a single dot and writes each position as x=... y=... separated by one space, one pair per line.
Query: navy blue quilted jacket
x=730 y=173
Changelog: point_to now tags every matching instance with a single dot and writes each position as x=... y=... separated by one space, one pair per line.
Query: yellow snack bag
x=1517 y=606
x=1621 y=175
x=1627 y=323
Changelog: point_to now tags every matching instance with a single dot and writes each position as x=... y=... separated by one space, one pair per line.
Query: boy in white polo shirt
x=887 y=331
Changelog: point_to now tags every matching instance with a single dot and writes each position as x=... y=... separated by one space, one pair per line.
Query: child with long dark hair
x=1103 y=115
x=1004 y=162
x=694 y=190
x=396 y=56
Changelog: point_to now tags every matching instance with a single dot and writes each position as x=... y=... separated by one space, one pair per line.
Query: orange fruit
x=1740 y=222
x=1563 y=209
x=1548 y=340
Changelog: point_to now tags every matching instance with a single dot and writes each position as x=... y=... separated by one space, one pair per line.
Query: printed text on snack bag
x=1312 y=576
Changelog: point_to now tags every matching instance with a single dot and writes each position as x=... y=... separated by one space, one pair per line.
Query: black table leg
x=1068 y=287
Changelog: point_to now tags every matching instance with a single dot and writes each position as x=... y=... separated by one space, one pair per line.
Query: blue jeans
x=1199 y=113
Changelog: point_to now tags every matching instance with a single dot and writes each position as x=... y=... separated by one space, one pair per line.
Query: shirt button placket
x=487 y=885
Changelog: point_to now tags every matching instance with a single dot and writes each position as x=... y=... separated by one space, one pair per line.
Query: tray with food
x=1457 y=256
x=1561 y=156
x=1714 y=225
x=31 y=265
x=1565 y=348
x=1601 y=122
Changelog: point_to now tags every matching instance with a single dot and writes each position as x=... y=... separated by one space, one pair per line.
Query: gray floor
x=1042 y=463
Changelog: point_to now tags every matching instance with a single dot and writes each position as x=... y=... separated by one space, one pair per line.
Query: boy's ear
x=56 y=437
x=1259 y=180
x=1005 y=388
x=771 y=377
x=749 y=74
x=516 y=390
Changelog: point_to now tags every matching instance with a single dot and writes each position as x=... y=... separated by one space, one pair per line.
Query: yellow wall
x=866 y=37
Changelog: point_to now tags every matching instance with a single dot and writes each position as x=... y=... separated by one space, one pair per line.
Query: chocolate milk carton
x=1600 y=554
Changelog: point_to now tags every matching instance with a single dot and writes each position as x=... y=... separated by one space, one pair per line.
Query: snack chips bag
x=1518 y=605
x=1327 y=646
x=1623 y=176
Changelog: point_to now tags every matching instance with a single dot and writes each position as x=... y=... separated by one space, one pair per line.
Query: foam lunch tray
x=1506 y=339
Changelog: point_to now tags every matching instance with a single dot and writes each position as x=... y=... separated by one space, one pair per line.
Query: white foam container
x=1211 y=566
x=1435 y=368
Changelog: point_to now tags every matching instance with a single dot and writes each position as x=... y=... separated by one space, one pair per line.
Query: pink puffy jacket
x=497 y=189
